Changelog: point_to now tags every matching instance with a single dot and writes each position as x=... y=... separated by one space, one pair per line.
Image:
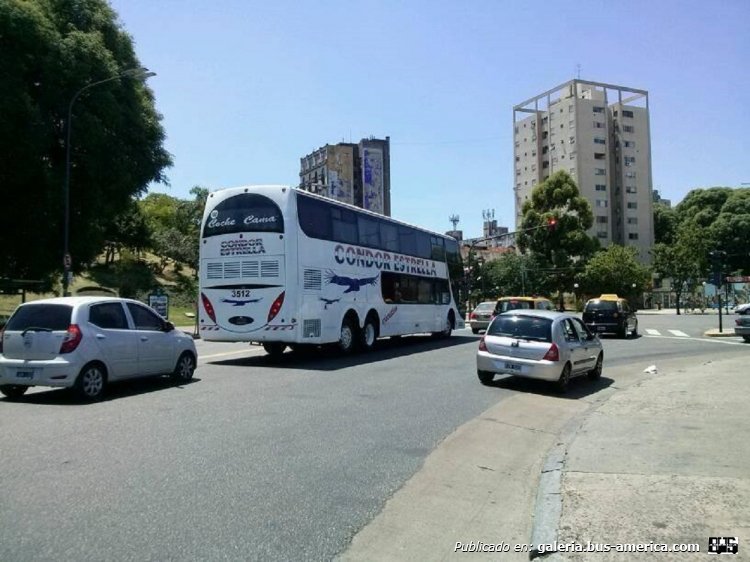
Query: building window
x=630 y=189
x=544 y=135
x=628 y=129
x=533 y=152
x=632 y=236
x=629 y=160
x=598 y=125
x=573 y=172
x=544 y=119
x=600 y=172
x=601 y=203
x=629 y=144
x=598 y=156
x=545 y=164
x=632 y=220
x=516 y=129
x=570 y=109
x=602 y=220
x=518 y=144
x=630 y=175
x=600 y=187
x=627 y=113
x=601 y=234
x=599 y=140
x=533 y=182
x=518 y=171
x=572 y=140
x=545 y=149
x=598 y=109
x=554 y=159
x=632 y=205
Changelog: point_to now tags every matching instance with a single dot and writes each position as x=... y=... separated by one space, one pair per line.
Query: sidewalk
x=665 y=460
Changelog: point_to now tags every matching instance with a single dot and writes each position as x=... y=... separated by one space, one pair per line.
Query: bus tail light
x=72 y=339
x=553 y=354
x=208 y=307
x=276 y=307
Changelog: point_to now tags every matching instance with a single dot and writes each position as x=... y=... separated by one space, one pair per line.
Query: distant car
x=742 y=308
x=742 y=327
x=87 y=342
x=539 y=344
x=481 y=316
x=610 y=314
x=505 y=304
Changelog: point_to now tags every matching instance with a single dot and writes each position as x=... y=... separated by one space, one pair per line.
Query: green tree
x=685 y=261
x=730 y=231
x=514 y=275
x=562 y=250
x=128 y=230
x=702 y=206
x=49 y=50
x=665 y=224
x=615 y=270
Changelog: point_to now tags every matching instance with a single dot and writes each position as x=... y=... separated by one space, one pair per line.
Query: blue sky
x=246 y=88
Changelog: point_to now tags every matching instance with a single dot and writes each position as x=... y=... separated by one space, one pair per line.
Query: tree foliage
x=665 y=224
x=615 y=270
x=685 y=261
x=49 y=50
x=513 y=275
x=566 y=248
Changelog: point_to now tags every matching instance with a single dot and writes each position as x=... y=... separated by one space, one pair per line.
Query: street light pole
x=139 y=73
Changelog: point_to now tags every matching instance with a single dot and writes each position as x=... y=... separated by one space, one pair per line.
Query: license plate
x=512 y=367
x=25 y=375
x=600 y=328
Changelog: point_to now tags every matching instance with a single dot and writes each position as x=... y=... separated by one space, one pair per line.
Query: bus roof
x=297 y=190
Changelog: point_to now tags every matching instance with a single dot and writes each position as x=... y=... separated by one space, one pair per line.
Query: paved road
x=252 y=461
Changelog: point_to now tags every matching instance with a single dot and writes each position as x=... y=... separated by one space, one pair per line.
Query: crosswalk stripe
x=679 y=333
x=652 y=332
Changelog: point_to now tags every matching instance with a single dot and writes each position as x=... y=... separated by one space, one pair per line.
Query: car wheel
x=91 y=382
x=596 y=372
x=13 y=391
x=185 y=368
x=347 y=336
x=564 y=381
x=623 y=331
x=368 y=335
x=447 y=329
x=635 y=330
x=746 y=338
x=475 y=330
x=485 y=377
x=274 y=349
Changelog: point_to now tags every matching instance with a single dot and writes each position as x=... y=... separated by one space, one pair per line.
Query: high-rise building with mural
x=358 y=174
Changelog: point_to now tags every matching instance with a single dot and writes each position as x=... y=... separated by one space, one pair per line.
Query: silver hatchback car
x=539 y=344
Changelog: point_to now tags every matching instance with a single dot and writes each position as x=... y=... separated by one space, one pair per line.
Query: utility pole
x=717 y=258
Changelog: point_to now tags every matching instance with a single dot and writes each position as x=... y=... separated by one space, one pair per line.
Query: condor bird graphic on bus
x=283 y=267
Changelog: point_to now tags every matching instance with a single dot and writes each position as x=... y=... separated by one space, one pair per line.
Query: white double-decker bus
x=280 y=266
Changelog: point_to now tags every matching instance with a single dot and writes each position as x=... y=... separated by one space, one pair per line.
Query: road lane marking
x=679 y=333
x=227 y=353
x=653 y=332
x=731 y=341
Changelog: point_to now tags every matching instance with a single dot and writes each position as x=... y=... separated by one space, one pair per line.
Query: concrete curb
x=548 y=505
x=715 y=333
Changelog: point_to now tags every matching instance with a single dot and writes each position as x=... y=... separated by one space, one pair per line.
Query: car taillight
x=208 y=307
x=553 y=354
x=472 y=316
x=482 y=345
x=275 y=307
x=72 y=338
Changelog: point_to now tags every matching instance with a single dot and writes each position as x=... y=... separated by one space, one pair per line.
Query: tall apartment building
x=600 y=134
x=358 y=174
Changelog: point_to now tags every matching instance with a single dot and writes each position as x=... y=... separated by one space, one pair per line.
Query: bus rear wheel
x=347 y=337
x=274 y=349
x=368 y=335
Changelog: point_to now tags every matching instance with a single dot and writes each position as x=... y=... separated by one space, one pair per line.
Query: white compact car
x=87 y=342
x=539 y=344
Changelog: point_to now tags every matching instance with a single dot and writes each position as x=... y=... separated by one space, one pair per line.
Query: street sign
x=160 y=303
x=738 y=279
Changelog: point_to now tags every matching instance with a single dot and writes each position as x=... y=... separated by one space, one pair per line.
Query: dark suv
x=610 y=314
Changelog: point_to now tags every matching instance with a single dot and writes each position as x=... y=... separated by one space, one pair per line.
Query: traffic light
x=551 y=224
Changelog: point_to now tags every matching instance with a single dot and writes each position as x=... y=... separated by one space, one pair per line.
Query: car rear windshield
x=485 y=306
x=521 y=327
x=505 y=306
x=601 y=306
x=46 y=316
